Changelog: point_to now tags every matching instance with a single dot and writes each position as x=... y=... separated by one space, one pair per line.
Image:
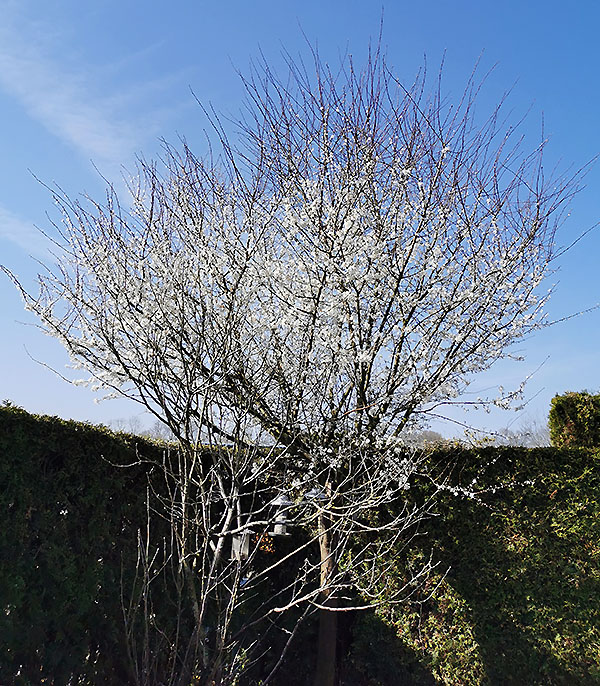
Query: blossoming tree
x=353 y=255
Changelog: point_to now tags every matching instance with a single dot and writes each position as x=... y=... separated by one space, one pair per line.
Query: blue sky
x=84 y=87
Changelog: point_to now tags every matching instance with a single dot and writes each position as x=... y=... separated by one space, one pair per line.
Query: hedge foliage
x=574 y=420
x=68 y=546
x=513 y=600
x=516 y=597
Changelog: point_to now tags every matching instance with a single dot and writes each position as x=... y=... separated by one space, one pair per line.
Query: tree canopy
x=330 y=273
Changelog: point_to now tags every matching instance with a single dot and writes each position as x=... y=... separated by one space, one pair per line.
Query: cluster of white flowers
x=364 y=280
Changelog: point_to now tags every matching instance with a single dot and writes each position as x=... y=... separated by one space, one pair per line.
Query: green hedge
x=575 y=420
x=67 y=548
x=516 y=597
x=517 y=603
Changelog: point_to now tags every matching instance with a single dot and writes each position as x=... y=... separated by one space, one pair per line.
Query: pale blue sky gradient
x=100 y=82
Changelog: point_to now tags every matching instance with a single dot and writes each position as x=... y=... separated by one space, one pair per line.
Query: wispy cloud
x=60 y=102
x=64 y=98
x=23 y=233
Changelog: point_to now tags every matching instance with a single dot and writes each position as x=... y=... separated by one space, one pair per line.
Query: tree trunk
x=327 y=654
x=327 y=642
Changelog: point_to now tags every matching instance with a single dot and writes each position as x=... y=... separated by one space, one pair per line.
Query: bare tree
x=529 y=434
x=290 y=309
